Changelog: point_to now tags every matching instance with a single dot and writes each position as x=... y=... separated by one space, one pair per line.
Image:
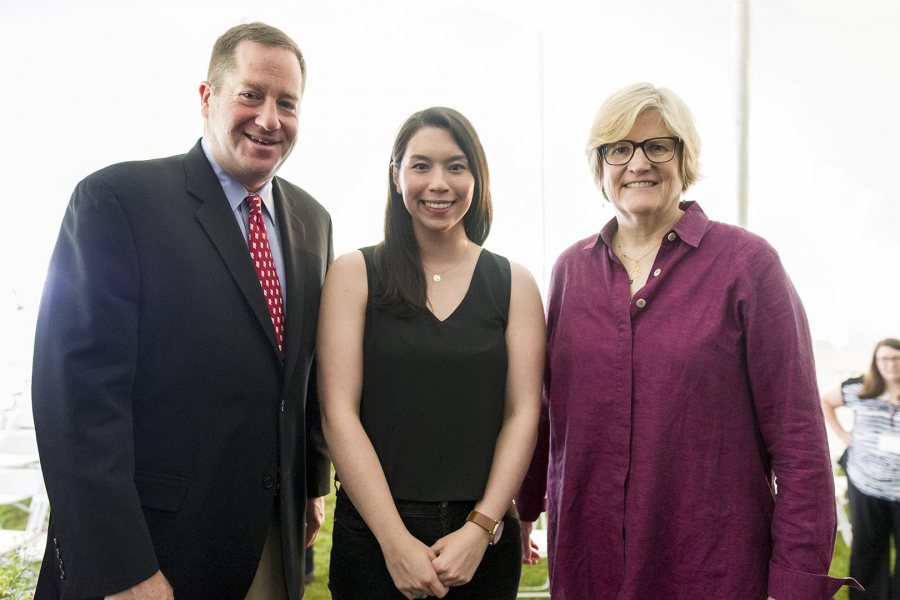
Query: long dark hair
x=397 y=257
x=873 y=382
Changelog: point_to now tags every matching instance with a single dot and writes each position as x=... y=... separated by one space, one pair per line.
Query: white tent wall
x=91 y=83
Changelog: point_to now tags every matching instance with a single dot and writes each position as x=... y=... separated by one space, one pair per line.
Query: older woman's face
x=642 y=188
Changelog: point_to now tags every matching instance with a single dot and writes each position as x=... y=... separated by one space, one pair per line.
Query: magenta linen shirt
x=666 y=416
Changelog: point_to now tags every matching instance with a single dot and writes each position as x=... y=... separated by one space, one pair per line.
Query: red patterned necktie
x=265 y=267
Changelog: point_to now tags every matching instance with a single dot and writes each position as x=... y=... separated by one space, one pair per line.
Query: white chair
x=19 y=417
x=840 y=498
x=18 y=448
x=18 y=486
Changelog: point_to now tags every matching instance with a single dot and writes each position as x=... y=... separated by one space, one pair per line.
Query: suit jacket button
x=268 y=482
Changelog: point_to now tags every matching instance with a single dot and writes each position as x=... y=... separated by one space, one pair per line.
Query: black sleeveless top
x=434 y=391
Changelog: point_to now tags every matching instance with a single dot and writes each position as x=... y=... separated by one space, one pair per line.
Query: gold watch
x=494 y=528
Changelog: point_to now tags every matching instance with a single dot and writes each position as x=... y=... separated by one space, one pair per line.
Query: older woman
x=430 y=353
x=873 y=468
x=680 y=389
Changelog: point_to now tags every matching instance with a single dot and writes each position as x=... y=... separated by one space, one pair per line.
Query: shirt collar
x=234 y=191
x=690 y=227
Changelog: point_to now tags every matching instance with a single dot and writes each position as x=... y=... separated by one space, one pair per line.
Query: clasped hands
x=419 y=571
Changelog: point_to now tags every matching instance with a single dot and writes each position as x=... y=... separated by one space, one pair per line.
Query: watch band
x=486 y=523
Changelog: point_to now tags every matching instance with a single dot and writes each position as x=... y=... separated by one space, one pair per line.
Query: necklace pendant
x=436 y=277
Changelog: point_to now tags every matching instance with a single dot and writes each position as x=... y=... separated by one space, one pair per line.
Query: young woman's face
x=887 y=360
x=435 y=180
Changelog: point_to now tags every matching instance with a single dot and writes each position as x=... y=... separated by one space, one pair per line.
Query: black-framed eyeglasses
x=657 y=150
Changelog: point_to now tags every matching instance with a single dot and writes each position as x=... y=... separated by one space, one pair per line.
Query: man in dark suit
x=174 y=400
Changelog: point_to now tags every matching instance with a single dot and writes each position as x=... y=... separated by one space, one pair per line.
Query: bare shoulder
x=350 y=261
x=525 y=298
x=346 y=278
x=522 y=279
x=348 y=267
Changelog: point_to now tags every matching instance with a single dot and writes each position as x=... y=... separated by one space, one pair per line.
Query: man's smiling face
x=251 y=115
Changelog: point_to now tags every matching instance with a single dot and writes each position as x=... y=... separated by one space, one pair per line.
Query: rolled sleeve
x=790 y=584
x=782 y=378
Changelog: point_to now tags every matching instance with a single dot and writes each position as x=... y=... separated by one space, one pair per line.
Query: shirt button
x=657 y=272
x=268 y=482
x=671 y=237
x=641 y=303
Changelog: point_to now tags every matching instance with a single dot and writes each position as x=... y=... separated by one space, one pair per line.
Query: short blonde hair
x=618 y=113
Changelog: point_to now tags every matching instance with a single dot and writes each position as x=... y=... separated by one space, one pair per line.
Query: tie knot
x=254 y=201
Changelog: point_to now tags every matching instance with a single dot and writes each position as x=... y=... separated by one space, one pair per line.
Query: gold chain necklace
x=435 y=276
x=635 y=271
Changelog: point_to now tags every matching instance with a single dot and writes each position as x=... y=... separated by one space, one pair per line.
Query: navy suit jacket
x=167 y=423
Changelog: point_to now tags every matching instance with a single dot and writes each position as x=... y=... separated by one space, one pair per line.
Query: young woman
x=430 y=354
x=873 y=469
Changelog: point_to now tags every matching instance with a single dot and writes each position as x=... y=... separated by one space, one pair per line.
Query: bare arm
x=460 y=552
x=830 y=401
x=340 y=363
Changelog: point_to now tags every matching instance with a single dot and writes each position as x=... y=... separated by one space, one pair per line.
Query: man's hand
x=155 y=588
x=315 y=516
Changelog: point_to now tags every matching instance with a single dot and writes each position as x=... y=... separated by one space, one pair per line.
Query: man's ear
x=205 y=93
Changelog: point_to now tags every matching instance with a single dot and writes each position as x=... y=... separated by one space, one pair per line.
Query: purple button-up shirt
x=668 y=415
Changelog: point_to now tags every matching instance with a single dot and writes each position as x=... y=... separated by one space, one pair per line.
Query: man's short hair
x=223 y=52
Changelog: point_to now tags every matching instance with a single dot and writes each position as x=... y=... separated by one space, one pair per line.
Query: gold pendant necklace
x=435 y=276
x=635 y=270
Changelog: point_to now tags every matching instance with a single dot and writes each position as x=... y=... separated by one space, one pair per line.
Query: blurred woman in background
x=872 y=463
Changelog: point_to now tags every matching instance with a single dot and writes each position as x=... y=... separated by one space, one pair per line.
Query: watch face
x=498 y=533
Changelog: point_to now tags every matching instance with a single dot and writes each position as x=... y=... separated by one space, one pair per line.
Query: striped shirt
x=873 y=462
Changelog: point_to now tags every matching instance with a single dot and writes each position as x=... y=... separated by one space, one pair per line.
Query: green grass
x=18 y=575
x=840 y=565
x=13 y=517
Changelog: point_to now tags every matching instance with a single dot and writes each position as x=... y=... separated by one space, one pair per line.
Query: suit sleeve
x=318 y=460
x=83 y=373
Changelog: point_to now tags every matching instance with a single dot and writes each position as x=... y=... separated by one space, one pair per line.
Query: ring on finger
x=419 y=596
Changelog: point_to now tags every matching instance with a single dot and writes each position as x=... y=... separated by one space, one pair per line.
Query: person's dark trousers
x=309 y=573
x=874 y=520
x=358 y=570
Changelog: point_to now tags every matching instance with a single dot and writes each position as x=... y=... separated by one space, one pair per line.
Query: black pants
x=358 y=570
x=874 y=521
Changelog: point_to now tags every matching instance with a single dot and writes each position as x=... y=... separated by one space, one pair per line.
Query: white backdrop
x=91 y=82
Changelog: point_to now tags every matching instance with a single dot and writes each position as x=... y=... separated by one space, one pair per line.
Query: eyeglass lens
x=656 y=150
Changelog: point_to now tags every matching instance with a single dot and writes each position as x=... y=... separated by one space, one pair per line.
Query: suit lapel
x=293 y=240
x=217 y=220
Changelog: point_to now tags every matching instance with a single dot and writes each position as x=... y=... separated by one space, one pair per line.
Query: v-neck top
x=433 y=391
